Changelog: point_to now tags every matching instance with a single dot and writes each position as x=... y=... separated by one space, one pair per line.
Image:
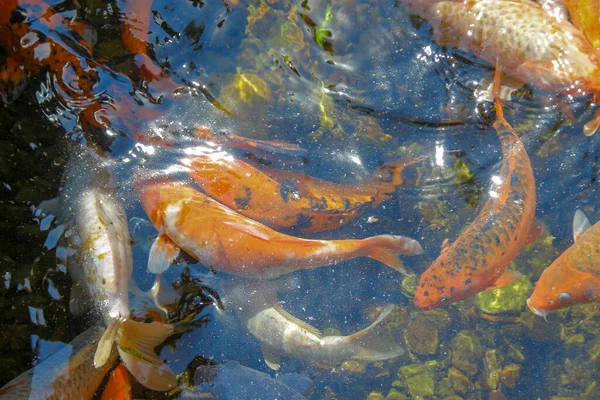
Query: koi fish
x=224 y=240
x=530 y=44
x=118 y=385
x=574 y=277
x=585 y=15
x=480 y=256
x=67 y=374
x=285 y=199
x=102 y=268
x=38 y=40
x=282 y=334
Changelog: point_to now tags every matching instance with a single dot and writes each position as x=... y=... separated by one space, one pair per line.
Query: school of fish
x=240 y=217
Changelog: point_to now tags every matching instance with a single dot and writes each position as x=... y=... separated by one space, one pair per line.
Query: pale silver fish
x=101 y=268
x=67 y=374
x=282 y=334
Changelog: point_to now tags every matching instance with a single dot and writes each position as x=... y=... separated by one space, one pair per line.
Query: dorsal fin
x=304 y=325
x=581 y=223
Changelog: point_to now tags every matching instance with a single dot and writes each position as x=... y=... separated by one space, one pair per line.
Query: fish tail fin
x=374 y=344
x=387 y=248
x=136 y=343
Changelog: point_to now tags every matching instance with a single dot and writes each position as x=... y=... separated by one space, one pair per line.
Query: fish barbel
x=224 y=240
x=481 y=254
x=67 y=374
x=574 y=277
x=527 y=41
x=101 y=269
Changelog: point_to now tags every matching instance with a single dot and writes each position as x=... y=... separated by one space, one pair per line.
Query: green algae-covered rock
x=509 y=298
x=375 y=396
x=492 y=368
x=409 y=285
x=466 y=352
x=420 y=378
x=395 y=395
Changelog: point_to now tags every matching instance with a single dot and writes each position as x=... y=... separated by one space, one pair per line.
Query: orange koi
x=38 y=40
x=480 y=256
x=529 y=43
x=68 y=374
x=224 y=240
x=135 y=25
x=284 y=199
x=118 y=385
x=585 y=15
x=574 y=277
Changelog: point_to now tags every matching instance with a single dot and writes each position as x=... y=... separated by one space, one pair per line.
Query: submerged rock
x=421 y=336
x=492 y=367
x=395 y=395
x=466 y=352
x=419 y=378
x=509 y=298
x=510 y=375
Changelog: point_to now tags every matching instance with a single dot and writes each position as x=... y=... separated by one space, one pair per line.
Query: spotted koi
x=480 y=256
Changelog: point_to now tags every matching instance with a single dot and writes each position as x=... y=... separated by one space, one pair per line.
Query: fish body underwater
x=528 y=42
x=224 y=240
x=481 y=254
x=282 y=334
x=574 y=277
x=101 y=268
x=67 y=374
x=289 y=199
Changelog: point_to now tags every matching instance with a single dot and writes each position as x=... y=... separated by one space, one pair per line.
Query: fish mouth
x=537 y=312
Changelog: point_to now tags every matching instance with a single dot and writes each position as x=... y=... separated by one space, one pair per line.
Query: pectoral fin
x=507 y=278
x=162 y=254
x=581 y=223
x=271 y=358
x=105 y=344
x=534 y=232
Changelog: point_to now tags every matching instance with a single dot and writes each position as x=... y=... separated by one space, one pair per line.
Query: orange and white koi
x=480 y=256
x=528 y=42
x=67 y=374
x=574 y=277
x=284 y=199
x=224 y=240
x=101 y=270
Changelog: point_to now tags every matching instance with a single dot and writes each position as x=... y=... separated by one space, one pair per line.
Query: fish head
x=156 y=194
x=560 y=287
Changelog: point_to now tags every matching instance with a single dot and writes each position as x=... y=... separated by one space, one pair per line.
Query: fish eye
x=564 y=296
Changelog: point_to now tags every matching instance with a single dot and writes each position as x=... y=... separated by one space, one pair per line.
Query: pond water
x=349 y=86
